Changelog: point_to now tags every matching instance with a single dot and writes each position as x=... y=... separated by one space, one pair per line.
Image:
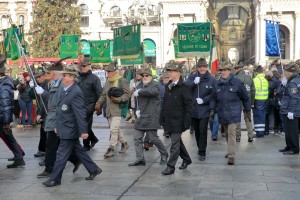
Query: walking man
x=175 y=116
x=71 y=124
x=148 y=107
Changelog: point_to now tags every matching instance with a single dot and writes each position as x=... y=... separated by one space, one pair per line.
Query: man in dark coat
x=226 y=101
x=201 y=84
x=6 y=114
x=70 y=125
x=91 y=87
x=147 y=112
x=175 y=116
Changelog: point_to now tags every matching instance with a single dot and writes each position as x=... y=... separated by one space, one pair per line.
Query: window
x=115 y=11
x=151 y=9
x=233 y=34
x=4 y=22
x=21 y=20
x=84 y=21
x=282 y=43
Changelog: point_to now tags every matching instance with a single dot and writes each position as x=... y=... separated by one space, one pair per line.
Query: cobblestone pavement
x=260 y=172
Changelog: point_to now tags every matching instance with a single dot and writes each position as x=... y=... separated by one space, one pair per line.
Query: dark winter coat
x=249 y=84
x=202 y=90
x=71 y=113
x=6 y=100
x=226 y=100
x=290 y=101
x=148 y=102
x=176 y=111
x=91 y=87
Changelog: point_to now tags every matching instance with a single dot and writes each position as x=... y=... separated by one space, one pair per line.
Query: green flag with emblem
x=194 y=39
x=12 y=42
x=100 y=51
x=127 y=41
x=69 y=46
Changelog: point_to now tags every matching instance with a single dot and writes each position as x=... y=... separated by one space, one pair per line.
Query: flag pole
x=21 y=52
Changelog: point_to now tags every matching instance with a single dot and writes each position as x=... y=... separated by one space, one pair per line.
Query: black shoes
x=93 y=143
x=283 y=150
x=163 y=160
x=16 y=164
x=214 y=138
x=202 y=158
x=137 y=163
x=184 y=165
x=76 y=166
x=50 y=183
x=39 y=154
x=290 y=153
x=12 y=159
x=93 y=175
x=87 y=148
x=168 y=171
x=250 y=139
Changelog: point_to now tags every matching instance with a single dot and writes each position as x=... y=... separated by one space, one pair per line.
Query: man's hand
x=84 y=136
x=39 y=90
x=31 y=84
x=114 y=99
x=290 y=115
x=248 y=115
x=55 y=130
x=38 y=118
x=197 y=80
x=98 y=107
x=211 y=116
x=6 y=128
x=136 y=93
x=199 y=101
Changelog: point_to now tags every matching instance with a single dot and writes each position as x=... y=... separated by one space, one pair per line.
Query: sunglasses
x=146 y=75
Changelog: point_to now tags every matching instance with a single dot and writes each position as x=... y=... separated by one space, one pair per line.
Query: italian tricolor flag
x=214 y=61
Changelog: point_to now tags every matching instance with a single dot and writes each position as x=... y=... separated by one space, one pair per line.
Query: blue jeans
x=214 y=126
x=26 y=107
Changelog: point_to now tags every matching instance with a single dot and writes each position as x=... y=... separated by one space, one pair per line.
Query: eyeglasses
x=83 y=65
x=146 y=75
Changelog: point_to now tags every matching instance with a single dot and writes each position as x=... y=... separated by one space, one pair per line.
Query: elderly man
x=71 y=124
x=147 y=112
x=290 y=109
x=91 y=87
x=114 y=107
x=201 y=84
x=226 y=101
x=175 y=116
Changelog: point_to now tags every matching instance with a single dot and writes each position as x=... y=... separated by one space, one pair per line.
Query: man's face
x=236 y=70
x=68 y=79
x=138 y=76
x=111 y=74
x=146 y=78
x=225 y=73
x=202 y=69
x=287 y=74
x=173 y=75
x=40 y=79
x=166 y=79
x=85 y=68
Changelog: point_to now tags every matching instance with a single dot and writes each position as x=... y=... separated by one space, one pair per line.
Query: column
x=297 y=36
x=257 y=38
x=262 y=35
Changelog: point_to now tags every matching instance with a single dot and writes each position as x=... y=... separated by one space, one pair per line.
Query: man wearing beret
x=147 y=112
x=113 y=108
x=228 y=93
x=290 y=109
x=70 y=125
x=176 y=115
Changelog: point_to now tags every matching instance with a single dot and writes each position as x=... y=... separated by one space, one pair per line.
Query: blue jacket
x=290 y=101
x=6 y=100
x=202 y=90
x=70 y=113
x=226 y=100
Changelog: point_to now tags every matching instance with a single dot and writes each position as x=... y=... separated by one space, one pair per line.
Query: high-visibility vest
x=261 y=87
x=154 y=73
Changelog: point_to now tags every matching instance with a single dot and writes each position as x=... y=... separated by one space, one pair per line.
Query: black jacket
x=176 y=111
x=70 y=113
x=6 y=100
x=91 y=87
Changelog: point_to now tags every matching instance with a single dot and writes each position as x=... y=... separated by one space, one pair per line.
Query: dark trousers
x=201 y=126
x=291 y=133
x=51 y=150
x=26 y=107
x=177 y=149
x=43 y=138
x=65 y=149
x=11 y=142
x=259 y=118
x=92 y=137
x=17 y=109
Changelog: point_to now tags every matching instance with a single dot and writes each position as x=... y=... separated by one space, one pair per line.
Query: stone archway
x=284 y=42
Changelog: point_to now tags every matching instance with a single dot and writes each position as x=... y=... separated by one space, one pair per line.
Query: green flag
x=130 y=61
x=12 y=42
x=6 y=50
x=194 y=39
x=69 y=46
x=127 y=41
x=100 y=51
x=175 y=44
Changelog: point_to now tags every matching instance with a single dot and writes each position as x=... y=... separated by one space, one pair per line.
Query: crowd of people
x=68 y=95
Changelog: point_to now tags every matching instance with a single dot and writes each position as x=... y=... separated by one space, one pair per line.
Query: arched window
x=282 y=43
x=21 y=20
x=4 y=22
x=84 y=22
x=115 y=11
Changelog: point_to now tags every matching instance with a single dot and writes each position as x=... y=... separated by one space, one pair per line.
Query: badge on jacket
x=294 y=90
x=64 y=107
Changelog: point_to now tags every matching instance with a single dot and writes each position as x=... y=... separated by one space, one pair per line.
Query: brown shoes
x=124 y=147
x=109 y=153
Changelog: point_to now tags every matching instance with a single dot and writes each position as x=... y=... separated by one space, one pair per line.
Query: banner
x=127 y=41
x=12 y=43
x=69 y=46
x=149 y=48
x=194 y=39
x=272 y=38
x=131 y=61
x=175 y=44
x=214 y=60
x=100 y=51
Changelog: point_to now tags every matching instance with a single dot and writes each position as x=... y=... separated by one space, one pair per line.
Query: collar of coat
x=229 y=82
x=179 y=83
